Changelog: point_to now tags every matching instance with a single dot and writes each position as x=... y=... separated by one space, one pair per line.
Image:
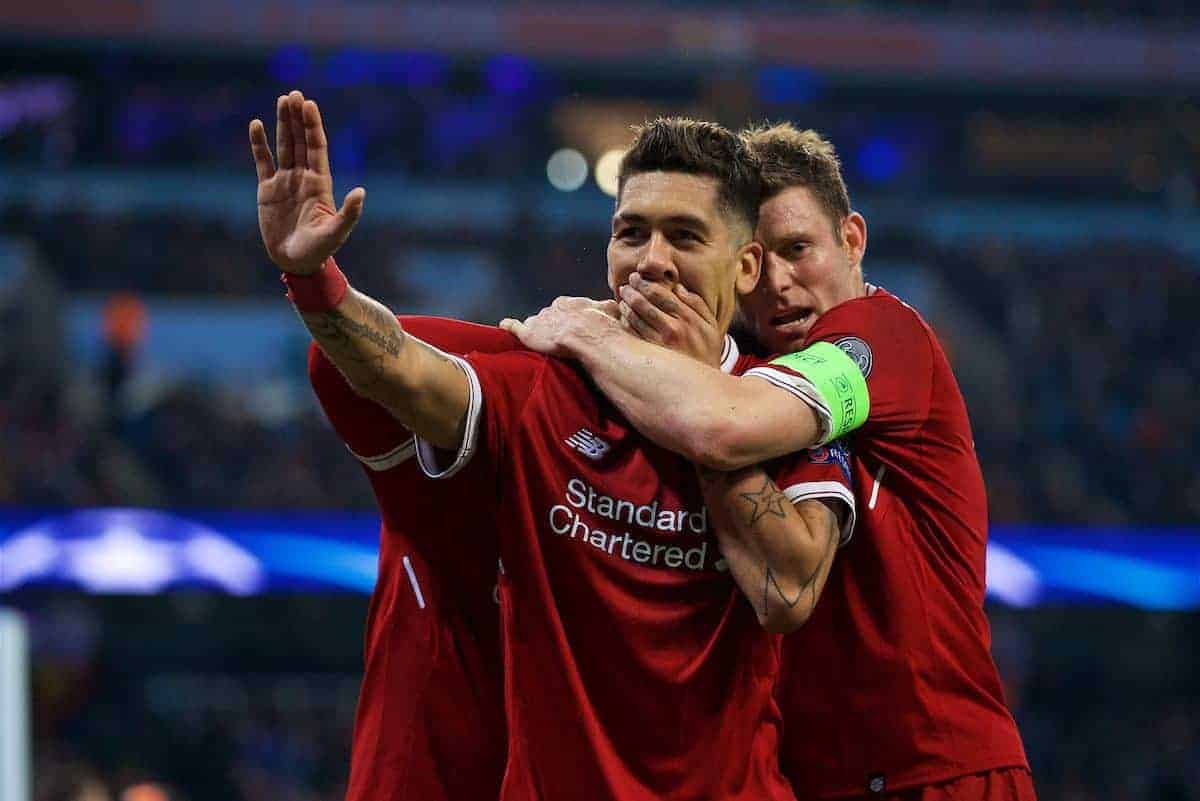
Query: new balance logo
x=588 y=444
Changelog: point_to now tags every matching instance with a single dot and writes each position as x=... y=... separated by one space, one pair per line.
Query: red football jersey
x=635 y=670
x=429 y=723
x=891 y=683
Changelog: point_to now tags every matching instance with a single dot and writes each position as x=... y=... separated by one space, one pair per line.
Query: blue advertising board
x=144 y=551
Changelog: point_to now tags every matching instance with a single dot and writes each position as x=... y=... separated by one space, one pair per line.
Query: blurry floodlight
x=607 y=167
x=567 y=169
x=1010 y=578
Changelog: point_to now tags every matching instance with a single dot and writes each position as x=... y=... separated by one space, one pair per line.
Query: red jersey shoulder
x=892 y=346
x=865 y=325
x=370 y=431
x=456 y=336
x=508 y=381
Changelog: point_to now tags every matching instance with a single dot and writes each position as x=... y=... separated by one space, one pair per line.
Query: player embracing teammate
x=634 y=667
x=889 y=689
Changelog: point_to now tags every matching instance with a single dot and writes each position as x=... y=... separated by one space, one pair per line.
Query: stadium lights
x=567 y=170
x=607 y=167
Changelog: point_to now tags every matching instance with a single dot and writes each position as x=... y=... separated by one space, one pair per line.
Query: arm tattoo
x=366 y=344
x=806 y=585
x=766 y=501
x=378 y=336
x=770 y=582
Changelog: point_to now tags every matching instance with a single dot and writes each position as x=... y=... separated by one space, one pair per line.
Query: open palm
x=300 y=226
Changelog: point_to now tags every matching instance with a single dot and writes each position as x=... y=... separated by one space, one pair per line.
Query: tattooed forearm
x=389 y=342
x=767 y=500
x=779 y=553
x=808 y=584
x=770 y=583
x=425 y=390
x=360 y=337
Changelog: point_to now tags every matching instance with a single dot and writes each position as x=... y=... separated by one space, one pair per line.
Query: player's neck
x=861 y=287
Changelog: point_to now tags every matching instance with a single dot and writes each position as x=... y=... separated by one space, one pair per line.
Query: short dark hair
x=790 y=157
x=696 y=147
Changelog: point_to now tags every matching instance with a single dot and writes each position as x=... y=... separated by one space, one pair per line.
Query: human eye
x=628 y=233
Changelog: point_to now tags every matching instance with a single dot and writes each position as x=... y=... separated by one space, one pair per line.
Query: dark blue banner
x=140 y=551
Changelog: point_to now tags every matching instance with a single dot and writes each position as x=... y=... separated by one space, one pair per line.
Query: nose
x=776 y=274
x=656 y=263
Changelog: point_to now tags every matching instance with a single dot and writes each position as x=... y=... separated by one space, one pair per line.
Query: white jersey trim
x=729 y=355
x=386 y=461
x=429 y=457
x=803 y=389
x=412 y=579
x=878 y=483
x=814 y=490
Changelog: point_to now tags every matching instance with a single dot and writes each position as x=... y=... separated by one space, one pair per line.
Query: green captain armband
x=837 y=379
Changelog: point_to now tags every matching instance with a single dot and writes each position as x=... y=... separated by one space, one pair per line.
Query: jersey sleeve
x=370 y=432
x=890 y=347
x=501 y=384
x=821 y=473
x=456 y=336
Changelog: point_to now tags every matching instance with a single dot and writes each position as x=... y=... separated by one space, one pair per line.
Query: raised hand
x=300 y=226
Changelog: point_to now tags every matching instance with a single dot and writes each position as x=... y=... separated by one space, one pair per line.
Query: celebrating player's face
x=809 y=266
x=669 y=228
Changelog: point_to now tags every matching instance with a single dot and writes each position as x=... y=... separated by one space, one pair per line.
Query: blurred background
x=1029 y=172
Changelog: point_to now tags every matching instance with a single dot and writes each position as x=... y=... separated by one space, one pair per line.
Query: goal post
x=15 y=784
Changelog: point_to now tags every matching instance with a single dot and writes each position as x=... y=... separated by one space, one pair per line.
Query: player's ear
x=749 y=266
x=854 y=237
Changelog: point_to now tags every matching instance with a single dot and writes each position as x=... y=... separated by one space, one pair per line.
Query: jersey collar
x=729 y=355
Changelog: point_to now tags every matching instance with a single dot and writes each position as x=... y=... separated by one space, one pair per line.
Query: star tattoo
x=766 y=501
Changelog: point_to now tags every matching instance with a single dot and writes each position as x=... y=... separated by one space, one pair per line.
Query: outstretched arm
x=779 y=554
x=301 y=230
x=679 y=401
x=422 y=387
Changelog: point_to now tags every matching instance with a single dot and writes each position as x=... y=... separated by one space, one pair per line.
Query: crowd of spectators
x=1152 y=11
x=123 y=683
x=1078 y=367
x=411 y=113
x=1098 y=425
x=1093 y=424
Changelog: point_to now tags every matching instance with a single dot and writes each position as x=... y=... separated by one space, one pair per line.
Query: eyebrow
x=682 y=220
x=799 y=230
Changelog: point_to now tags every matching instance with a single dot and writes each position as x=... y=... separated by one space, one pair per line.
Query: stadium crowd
x=1101 y=375
x=245 y=731
x=1081 y=398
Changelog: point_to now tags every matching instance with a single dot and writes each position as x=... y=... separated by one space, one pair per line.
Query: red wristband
x=320 y=292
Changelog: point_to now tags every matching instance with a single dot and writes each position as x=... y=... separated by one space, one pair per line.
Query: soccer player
x=634 y=668
x=890 y=687
x=430 y=718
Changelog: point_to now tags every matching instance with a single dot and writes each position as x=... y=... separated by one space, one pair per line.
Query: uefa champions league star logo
x=127 y=551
